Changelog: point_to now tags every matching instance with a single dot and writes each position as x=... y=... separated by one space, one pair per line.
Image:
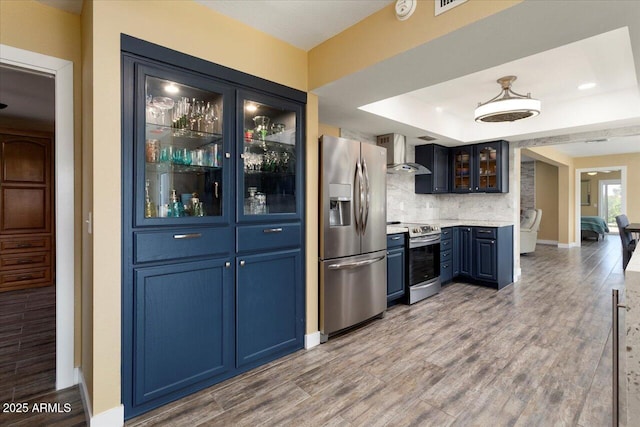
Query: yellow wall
x=382 y=36
x=547 y=199
x=566 y=189
x=32 y=26
x=87 y=198
x=328 y=130
x=632 y=163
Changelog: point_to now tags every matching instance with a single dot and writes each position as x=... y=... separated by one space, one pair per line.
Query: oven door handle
x=356 y=264
x=426 y=285
x=420 y=242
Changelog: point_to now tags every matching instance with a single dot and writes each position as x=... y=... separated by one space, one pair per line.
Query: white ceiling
x=72 y=6
x=302 y=23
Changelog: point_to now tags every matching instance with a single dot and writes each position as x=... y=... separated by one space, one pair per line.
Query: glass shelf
x=183 y=151
x=269 y=159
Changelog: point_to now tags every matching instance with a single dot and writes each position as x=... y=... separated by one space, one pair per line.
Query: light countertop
x=394 y=229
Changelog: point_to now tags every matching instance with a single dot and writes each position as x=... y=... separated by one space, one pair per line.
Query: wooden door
x=26 y=210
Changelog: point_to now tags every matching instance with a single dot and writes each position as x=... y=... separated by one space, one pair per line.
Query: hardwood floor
x=28 y=363
x=536 y=353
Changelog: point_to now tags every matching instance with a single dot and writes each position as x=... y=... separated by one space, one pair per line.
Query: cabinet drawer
x=25 y=244
x=484 y=232
x=446 y=233
x=446 y=271
x=181 y=243
x=445 y=256
x=23 y=279
x=394 y=240
x=26 y=260
x=269 y=236
x=446 y=245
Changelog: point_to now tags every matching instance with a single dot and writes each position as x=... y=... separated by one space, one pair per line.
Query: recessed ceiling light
x=592 y=173
x=585 y=86
x=171 y=88
x=439 y=109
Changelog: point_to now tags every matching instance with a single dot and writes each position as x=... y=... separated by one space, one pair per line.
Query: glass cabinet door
x=183 y=154
x=463 y=169
x=487 y=167
x=269 y=172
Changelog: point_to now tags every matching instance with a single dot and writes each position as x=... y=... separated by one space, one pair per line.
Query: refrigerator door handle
x=367 y=193
x=356 y=264
x=358 y=197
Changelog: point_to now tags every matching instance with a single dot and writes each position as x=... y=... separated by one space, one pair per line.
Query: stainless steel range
x=424 y=261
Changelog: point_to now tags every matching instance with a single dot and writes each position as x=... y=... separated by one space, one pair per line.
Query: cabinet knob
x=227 y=264
x=227 y=155
x=470 y=188
x=493 y=241
x=242 y=263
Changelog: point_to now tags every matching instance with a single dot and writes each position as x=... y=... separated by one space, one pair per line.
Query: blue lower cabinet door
x=183 y=323
x=270 y=306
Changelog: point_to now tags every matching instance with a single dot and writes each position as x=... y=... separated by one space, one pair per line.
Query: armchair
x=529 y=226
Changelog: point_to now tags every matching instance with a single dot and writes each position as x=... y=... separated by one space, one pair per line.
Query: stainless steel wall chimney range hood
x=397 y=155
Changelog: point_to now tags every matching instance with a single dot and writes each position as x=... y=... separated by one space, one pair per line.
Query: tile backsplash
x=403 y=204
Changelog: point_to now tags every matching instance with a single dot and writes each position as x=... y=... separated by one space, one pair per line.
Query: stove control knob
x=435 y=228
x=416 y=229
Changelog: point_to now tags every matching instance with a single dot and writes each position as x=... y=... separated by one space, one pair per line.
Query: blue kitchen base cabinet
x=183 y=328
x=396 y=267
x=269 y=300
x=482 y=255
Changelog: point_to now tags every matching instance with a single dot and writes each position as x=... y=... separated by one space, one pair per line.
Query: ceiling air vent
x=444 y=5
x=427 y=138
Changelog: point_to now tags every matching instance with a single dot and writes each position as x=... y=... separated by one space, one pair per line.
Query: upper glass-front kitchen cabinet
x=492 y=167
x=463 y=163
x=182 y=157
x=269 y=169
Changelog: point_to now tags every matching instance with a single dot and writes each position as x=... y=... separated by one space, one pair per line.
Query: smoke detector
x=405 y=8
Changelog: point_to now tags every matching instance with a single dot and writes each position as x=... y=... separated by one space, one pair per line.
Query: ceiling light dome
x=508 y=106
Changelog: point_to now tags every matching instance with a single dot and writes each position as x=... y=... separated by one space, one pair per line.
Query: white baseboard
x=311 y=340
x=547 y=242
x=517 y=275
x=113 y=417
x=568 y=245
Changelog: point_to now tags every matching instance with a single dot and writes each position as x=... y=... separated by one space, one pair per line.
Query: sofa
x=529 y=225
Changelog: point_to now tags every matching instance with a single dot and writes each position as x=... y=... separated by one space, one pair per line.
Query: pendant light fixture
x=508 y=106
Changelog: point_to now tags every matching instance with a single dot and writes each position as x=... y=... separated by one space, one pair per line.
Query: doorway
x=66 y=374
x=610 y=202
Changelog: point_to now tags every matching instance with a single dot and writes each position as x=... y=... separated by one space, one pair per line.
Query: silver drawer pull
x=24 y=245
x=484 y=231
x=24 y=261
x=396 y=238
x=187 y=236
x=272 y=230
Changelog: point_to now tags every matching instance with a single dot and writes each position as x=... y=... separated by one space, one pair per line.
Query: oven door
x=424 y=267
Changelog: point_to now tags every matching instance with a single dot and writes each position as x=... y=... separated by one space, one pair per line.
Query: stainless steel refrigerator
x=353 y=243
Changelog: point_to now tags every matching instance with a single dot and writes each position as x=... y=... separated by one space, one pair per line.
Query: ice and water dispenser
x=339 y=205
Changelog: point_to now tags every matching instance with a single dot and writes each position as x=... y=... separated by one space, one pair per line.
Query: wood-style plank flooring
x=28 y=363
x=537 y=353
